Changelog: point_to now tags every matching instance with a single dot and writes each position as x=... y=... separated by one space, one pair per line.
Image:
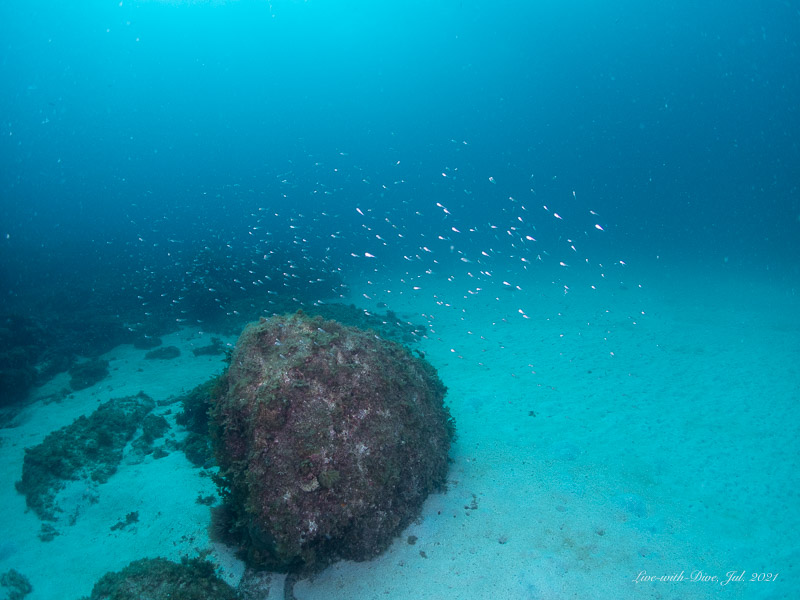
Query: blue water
x=677 y=121
x=170 y=164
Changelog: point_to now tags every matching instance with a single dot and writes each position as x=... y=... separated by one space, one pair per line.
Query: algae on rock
x=90 y=448
x=329 y=438
x=161 y=579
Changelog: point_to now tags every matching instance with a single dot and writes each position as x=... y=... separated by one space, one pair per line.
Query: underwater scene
x=419 y=300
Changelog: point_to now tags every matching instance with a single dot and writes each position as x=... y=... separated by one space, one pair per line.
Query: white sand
x=163 y=491
x=613 y=431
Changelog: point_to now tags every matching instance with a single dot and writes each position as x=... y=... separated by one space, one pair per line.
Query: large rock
x=328 y=439
x=160 y=579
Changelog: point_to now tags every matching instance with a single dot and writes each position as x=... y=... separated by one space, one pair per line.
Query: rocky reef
x=88 y=449
x=161 y=579
x=23 y=357
x=88 y=373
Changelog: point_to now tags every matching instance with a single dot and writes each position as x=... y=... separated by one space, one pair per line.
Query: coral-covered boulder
x=328 y=438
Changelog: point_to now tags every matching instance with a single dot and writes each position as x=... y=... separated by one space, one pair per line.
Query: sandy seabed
x=648 y=427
